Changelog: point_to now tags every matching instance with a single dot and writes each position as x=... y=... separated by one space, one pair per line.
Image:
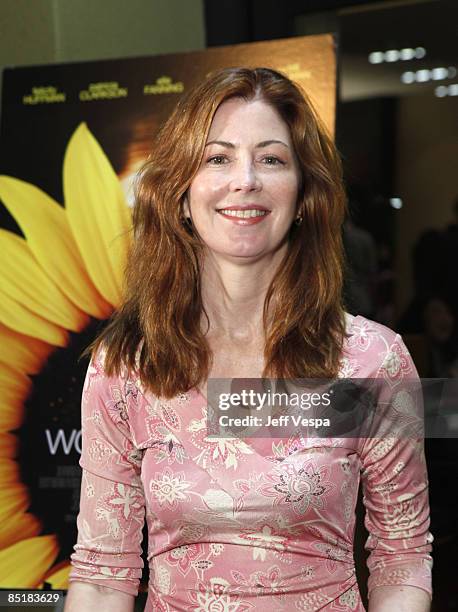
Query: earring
x=298 y=220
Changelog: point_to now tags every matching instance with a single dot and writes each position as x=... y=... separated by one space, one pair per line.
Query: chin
x=243 y=255
x=249 y=251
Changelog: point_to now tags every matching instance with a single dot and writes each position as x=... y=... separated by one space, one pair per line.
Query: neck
x=233 y=295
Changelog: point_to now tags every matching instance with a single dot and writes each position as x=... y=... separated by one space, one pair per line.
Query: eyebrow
x=231 y=145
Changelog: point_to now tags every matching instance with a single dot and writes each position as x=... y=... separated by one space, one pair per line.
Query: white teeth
x=244 y=214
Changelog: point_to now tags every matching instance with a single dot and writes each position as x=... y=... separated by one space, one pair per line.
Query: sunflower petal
x=9 y=471
x=24 y=353
x=23 y=564
x=21 y=319
x=58 y=575
x=97 y=211
x=45 y=225
x=18 y=527
x=13 y=499
x=24 y=281
x=14 y=390
x=10 y=418
x=8 y=444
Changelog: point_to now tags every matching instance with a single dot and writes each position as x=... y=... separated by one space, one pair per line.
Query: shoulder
x=105 y=391
x=125 y=399
x=372 y=347
x=98 y=370
x=362 y=332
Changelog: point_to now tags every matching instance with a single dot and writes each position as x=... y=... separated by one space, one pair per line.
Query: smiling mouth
x=243 y=214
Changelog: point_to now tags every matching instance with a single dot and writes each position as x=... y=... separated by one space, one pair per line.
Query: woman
x=236 y=270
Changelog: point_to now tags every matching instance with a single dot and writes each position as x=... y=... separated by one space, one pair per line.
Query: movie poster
x=72 y=138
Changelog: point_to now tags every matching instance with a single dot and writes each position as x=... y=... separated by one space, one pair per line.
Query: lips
x=244 y=215
x=245 y=207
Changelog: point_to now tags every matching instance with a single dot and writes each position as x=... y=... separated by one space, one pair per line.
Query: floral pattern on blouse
x=266 y=525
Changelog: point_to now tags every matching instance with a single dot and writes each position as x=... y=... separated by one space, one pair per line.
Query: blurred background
x=397 y=132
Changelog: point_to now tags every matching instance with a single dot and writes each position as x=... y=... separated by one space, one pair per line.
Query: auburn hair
x=156 y=331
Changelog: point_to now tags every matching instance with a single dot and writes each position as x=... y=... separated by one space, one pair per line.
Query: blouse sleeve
x=111 y=516
x=395 y=480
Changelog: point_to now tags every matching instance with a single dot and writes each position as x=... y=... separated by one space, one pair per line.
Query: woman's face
x=243 y=199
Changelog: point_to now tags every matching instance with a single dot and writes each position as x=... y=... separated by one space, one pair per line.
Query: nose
x=245 y=178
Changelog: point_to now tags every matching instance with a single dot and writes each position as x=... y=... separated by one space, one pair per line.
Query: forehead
x=237 y=118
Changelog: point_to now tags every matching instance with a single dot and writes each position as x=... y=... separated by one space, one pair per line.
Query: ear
x=186 y=211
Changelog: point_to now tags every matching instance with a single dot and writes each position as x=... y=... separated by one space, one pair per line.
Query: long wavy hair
x=156 y=331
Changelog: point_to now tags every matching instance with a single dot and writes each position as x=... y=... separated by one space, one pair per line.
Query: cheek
x=204 y=192
x=286 y=192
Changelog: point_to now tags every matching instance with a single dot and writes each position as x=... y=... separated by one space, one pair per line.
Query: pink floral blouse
x=236 y=526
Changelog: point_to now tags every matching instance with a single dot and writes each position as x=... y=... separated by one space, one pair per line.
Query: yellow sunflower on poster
x=66 y=269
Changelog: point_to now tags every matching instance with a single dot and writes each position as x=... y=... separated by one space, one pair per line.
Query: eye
x=272 y=160
x=217 y=160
